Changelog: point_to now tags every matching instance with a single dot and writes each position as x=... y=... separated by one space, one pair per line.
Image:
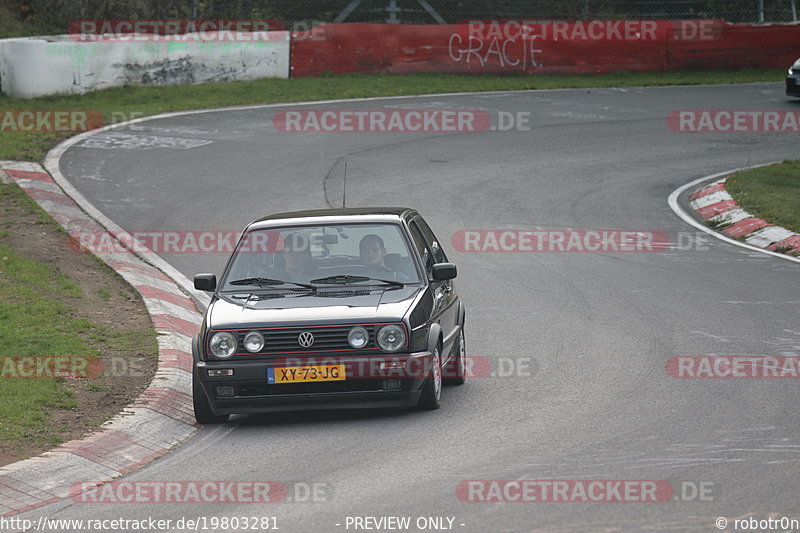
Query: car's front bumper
x=362 y=389
x=793 y=84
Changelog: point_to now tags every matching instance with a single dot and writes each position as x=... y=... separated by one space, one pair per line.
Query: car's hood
x=331 y=306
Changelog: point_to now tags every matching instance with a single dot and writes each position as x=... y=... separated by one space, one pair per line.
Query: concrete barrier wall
x=39 y=66
x=576 y=47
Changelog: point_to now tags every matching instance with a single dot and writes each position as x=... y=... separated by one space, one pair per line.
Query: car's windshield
x=300 y=254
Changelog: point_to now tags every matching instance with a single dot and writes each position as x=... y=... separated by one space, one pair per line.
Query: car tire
x=202 y=409
x=457 y=366
x=432 y=390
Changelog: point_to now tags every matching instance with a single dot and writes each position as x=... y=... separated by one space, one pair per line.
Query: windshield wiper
x=269 y=282
x=346 y=279
x=257 y=297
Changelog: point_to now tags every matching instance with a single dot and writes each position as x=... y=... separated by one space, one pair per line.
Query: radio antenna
x=344 y=187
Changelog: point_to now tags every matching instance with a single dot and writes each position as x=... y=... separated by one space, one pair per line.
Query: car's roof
x=341 y=213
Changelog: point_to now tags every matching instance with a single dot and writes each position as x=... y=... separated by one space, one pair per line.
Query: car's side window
x=422 y=248
x=433 y=242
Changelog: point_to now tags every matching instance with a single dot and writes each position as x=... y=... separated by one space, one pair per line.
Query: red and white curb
x=157 y=420
x=722 y=204
x=714 y=204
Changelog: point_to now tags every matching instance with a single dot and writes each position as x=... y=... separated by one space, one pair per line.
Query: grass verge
x=124 y=102
x=771 y=193
x=66 y=364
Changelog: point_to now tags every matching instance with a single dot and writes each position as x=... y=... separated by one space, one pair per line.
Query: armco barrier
x=576 y=47
x=39 y=66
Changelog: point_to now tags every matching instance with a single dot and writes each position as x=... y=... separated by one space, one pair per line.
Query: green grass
x=37 y=320
x=133 y=101
x=33 y=322
x=771 y=193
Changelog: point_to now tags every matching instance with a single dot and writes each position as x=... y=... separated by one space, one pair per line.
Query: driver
x=297 y=262
x=373 y=252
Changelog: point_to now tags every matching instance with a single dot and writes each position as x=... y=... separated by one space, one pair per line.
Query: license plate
x=302 y=374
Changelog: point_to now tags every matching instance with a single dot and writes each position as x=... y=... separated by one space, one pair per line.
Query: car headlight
x=358 y=337
x=253 y=342
x=391 y=338
x=223 y=344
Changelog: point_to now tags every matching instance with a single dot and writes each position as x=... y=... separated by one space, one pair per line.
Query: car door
x=444 y=292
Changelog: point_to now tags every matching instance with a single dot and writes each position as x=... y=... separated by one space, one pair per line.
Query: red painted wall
x=575 y=47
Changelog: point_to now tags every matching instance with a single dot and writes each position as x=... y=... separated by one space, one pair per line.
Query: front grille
x=353 y=385
x=285 y=340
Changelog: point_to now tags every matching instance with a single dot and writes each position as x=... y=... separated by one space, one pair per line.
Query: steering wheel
x=260 y=271
x=378 y=269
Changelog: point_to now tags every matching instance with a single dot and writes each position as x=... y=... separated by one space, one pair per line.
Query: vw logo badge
x=305 y=339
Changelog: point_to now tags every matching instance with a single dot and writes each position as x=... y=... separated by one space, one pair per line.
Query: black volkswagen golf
x=330 y=309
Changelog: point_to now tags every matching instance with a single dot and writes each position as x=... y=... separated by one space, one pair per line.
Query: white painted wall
x=40 y=66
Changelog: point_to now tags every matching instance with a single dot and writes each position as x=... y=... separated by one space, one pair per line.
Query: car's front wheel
x=432 y=390
x=456 y=368
x=202 y=409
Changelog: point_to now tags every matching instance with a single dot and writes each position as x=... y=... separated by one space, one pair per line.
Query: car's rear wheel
x=202 y=409
x=456 y=368
x=432 y=390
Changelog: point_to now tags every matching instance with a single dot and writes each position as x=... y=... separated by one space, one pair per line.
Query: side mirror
x=205 y=282
x=444 y=271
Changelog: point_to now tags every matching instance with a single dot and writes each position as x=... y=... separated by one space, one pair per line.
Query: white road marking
x=128 y=141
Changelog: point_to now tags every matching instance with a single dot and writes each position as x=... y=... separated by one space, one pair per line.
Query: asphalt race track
x=578 y=341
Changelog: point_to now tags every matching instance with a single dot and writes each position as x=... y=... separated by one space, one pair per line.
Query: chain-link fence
x=55 y=15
